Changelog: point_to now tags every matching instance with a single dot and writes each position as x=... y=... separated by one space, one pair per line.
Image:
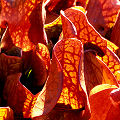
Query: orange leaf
x=22 y=17
x=69 y=30
x=44 y=101
x=113 y=63
x=101 y=105
x=16 y=95
x=115 y=97
x=102 y=14
x=70 y=54
x=24 y=103
x=96 y=72
x=85 y=32
x=44 y=53
x=6 y=113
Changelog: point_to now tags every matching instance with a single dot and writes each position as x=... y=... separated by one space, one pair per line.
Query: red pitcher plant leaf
x=85 y=31
x=6 y=113
x=69 y=30
x=113 y=63
x=48 y=97
x=102 y=14
x=23 y=102
x=25 y=21
x=70 y=54
x=39 y=61
x=96 y=72
x=101 y=106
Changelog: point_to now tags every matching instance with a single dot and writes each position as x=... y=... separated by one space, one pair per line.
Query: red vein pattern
x=44 y=53
x=85 y=32
x=16 y=95
x=23 y=102
x=113 y=63
x=21 y=18
x=102 y=14
x=69 y=28
x=69 y=53
x=96 y=72
x=47 y=99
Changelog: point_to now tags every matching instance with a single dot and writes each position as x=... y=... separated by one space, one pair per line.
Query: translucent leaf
x=70 y=54
x=101 y=105
x=85 y=32
x=9 y=65
x=102 y=14
x=27 y=105
x=96 y=72
x=113 y=63
x=25 y=22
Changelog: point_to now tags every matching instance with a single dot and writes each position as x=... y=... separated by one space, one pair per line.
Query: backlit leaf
x=25 y=22
x=70 y=54
x=96 y=72
x=85 y=32
x=113 y=63
x=17 y=96
x=44 y=101
x=101 y=105
x=27 y=105
x=102 y=14
x=39 y=61
x=9 y=65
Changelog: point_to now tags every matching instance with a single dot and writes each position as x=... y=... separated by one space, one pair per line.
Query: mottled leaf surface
x=25 y=22
x=96 y=72
x=85 y=32
x=69 y=53
x=102 y=14
x=101 y=105
x=23 y=102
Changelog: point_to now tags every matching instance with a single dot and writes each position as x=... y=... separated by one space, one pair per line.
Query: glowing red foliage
x=25 y=21
x=100 y=101
x=85 y=31
x=70 y=54
x=22 y=101
x=102 y=14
